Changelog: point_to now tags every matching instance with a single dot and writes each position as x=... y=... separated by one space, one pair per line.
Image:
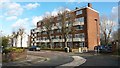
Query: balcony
x=54 y=27
x=78 y=23
x=67 y=25
x=42 y=40
x=38 y=30
x=58 y=40
x=78 y=39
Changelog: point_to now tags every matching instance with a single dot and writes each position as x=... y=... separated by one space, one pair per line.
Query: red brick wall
x=92 y=28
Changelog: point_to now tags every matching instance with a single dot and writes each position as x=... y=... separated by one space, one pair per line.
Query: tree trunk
x=21 y=41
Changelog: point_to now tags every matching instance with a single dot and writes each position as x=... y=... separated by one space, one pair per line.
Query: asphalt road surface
x=59 y=58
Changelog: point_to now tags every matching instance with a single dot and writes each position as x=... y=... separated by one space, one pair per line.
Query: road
x=59 y=58
x=56 y=58
x=113 y=61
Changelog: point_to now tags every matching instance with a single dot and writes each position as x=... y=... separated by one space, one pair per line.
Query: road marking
x=76 y=62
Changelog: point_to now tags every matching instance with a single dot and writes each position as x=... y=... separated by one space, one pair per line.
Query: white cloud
x=31 y=6
x=11 y=18
x=55 y=11
x=115 y=12
x=13 y=9
x=20 y=23
x=35 y=19
x=71 y=0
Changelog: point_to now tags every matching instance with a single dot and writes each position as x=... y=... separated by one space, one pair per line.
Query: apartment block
x=84 y=32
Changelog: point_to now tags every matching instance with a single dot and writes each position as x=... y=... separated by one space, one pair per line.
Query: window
x=81 y=19
x=77 y=35
x=39 y=23
x=52 y=37
x=80 y=27
x=60 y=37
x=79 y=12
x=44 y=38
x=81 y=44
x=44 y=32
x=57 y=24
x=52 y=32
x=58 y=31
x=58 y=18
x=67 y=15
x=70 y=36
x=81 y=35
x=57 y=37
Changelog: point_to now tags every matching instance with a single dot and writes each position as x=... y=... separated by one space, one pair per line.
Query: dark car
x=34 y=48
x=105 y=49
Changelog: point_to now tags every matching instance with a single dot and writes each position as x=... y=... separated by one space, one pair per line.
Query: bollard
x=80 y=50
x=67 y=49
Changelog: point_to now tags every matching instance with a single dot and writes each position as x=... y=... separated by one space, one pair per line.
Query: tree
x=72 y=20
x=106 y=24
x=47 y=23
x=66 y=25
x=115 y=35
x=5 y=41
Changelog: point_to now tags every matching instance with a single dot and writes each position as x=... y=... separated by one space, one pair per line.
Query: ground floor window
x=82 y=44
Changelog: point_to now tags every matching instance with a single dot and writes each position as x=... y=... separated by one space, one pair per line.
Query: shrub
x=13 y=49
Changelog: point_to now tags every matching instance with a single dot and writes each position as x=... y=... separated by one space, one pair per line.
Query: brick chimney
x=90 y=5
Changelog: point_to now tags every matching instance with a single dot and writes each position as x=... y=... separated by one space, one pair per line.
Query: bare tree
x=47 y=23
x=64 y=22
x=106 y=28
x=72 y=20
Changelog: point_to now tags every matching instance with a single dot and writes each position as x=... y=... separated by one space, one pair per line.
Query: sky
x=26 y=14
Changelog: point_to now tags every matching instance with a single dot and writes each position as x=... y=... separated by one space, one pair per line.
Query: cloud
x=20 y=23
x=35 y=19
x=55 y=11
x=13 y=9
x=31 y=6
x=11 y=18
x=115 y=12
x=71 y=0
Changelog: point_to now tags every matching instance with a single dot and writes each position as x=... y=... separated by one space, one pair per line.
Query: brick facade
x=85 y=30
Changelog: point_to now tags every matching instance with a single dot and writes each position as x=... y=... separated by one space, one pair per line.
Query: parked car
x=105 y=49
x=34 y=48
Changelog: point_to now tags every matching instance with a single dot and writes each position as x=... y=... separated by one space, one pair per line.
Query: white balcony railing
x=62 y=40
x=42 y=40
x=58 y=40
x=54 y=27
x=38 y=30
x=67 y=25
x=78 y=23
x=78 y=39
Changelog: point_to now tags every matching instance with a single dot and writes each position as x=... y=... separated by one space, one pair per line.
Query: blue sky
x=26 y=14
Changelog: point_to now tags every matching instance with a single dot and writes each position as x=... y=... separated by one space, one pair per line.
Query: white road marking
x=76 y=62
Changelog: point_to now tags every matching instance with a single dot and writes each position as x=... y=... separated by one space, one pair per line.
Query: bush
x=13 y=49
